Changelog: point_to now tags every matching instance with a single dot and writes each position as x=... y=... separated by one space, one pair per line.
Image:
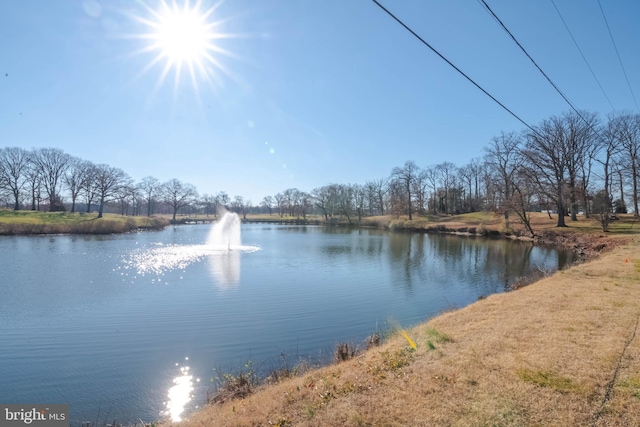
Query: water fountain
x=225 y=233
x=222 y=251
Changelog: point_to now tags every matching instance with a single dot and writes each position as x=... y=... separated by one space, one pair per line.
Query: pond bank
x=20 y=223
x=563 y=351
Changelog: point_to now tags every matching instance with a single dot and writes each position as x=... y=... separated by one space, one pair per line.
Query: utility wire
x=490 y=11
x=582 y=54
x=618 y=53
x=453 y=66
x=529 y=56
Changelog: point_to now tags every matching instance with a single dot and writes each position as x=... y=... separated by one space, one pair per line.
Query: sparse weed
x=437 y=336
x=231 y=386
x=631 y=385
x=344 y=351
x=548 y=379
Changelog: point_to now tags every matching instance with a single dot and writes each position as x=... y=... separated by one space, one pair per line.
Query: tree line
x=570 y=163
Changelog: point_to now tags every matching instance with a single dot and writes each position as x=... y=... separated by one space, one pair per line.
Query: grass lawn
x=34 y=222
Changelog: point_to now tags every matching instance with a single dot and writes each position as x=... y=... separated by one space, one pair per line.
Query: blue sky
x=309 y=92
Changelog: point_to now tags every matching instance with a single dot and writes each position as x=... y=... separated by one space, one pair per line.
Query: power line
x=582 y=54
x=490 y=11
x=453 y=66
x=618 y=53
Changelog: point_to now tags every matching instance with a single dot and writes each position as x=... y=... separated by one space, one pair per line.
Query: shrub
x=397 y=225
x=344 y=351
x=234 y=386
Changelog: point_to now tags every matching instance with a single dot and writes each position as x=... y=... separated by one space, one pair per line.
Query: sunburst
x=183 y=37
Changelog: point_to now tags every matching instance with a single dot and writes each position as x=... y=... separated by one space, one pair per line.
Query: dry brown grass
x=561 y=352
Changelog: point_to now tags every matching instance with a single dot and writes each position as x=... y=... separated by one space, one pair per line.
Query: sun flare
x=182 y=37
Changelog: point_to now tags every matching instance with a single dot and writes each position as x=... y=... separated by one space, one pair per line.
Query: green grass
x=437 y=336
x=34 y=217
x=548 y=379
x=34 y=222
x=632 y=386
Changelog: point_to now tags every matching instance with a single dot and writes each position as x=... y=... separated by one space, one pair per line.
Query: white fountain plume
x=225 y=233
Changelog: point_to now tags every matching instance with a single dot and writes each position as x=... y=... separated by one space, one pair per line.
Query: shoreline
x=586 y=245
x=535 y=356
x=35 y=223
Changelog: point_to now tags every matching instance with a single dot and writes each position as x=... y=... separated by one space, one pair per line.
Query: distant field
x=33 y=222
x=626 y=224
x=30 y=222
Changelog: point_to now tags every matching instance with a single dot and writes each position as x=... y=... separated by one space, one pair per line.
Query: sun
x=183 y=39
x=183 y=35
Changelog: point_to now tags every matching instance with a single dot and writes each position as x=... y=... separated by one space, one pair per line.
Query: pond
x=135 y=326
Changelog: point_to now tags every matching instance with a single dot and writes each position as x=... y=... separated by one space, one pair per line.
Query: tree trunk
x=101 y=208
x=634 y=174
x=560 y=207
x=408 y=200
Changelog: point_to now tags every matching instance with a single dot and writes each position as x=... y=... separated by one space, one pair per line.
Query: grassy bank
x=564 y=351
x=30 y=222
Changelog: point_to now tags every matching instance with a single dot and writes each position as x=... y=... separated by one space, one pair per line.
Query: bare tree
x=628 y=133
x=578 y=142
x=446 y=174
x=126 y=196
x=359 y=199
x=52 y=164
x=520 y=199
x=407 y=175
x=108 y=182
x=208 y=201
x=90 y=190
x=222 y=199
x=504 y=161
x=377 y=191
x=609 y=144
x=345 y=201
x=420 y=186
x=14 y=165
x=431 y=179
x=267 y=203
x=178 y=194
x=150 y=187
x=237 y=204
x=326 y=199
x=34 y=183
x=546 y=164
x=77 y=178
x=240 y=206
x=279 y=198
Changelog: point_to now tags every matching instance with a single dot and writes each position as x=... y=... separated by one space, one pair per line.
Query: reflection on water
x=179 y=394
x=223 y=260
x=225 y=269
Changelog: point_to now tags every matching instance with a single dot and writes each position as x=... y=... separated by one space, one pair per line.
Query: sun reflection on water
x=223 y=261
x=180 y=394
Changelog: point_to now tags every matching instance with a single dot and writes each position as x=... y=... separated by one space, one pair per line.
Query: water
x=132 y=326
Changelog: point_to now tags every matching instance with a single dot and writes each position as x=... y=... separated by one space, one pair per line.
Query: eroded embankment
x=563 y=351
